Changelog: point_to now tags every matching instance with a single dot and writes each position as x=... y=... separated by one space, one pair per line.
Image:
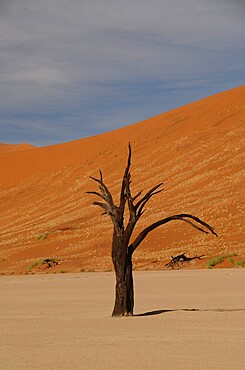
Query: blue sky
x=72 y=69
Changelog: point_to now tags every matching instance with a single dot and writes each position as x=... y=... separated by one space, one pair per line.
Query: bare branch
x=94 y=178
x=105 y=207
x=195 y=226
x=148 y=195
x=134 y=213
x=126 y=179
x=181 y=217
x=137 y=195
x=145 y=201
x=198 y=220
x=111 y=212
x=142 y=202
x=101 y=177
x=129 y=159
x=105 y=193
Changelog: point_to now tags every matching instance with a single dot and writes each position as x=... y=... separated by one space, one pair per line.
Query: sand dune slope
x=5 y=148
x=197 y=151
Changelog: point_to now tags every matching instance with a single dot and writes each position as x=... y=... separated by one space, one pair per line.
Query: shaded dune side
x=197 y=151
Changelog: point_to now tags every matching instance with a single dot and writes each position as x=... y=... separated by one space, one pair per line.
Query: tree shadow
x=159 y=312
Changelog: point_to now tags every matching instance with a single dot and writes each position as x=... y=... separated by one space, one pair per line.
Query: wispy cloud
x=84 y=67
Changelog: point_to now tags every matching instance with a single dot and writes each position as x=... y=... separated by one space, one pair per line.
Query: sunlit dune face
x=196 y=151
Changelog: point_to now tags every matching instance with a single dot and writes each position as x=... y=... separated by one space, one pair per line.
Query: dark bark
x=181 y=258
x=122 y=249
x=124 y=291
x=182 y=217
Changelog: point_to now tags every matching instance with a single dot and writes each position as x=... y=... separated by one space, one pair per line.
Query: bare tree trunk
x=124 y=292
x=129 y=285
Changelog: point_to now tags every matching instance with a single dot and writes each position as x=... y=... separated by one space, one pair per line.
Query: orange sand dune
x=195 y=150
x=14 y=147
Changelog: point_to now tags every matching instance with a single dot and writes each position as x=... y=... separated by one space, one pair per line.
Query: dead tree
x=181 y=258
x=122 y=245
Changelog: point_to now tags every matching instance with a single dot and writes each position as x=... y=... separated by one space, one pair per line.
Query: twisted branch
x=181 y=217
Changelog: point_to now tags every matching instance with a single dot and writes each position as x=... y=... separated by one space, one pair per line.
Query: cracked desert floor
x=183 y=320
x=186 y=320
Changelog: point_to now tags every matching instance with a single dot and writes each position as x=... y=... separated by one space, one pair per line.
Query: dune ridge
x=196 y=150
x=6 y=148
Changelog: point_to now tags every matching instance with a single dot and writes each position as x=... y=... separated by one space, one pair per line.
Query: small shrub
x=240 y=263
x=43 y=236
x=231 y=260
x=217 y=260
x=34 y=264
x=48 y=262
x=214 y=261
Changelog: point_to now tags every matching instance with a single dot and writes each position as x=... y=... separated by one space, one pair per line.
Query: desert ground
x=185 y=319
